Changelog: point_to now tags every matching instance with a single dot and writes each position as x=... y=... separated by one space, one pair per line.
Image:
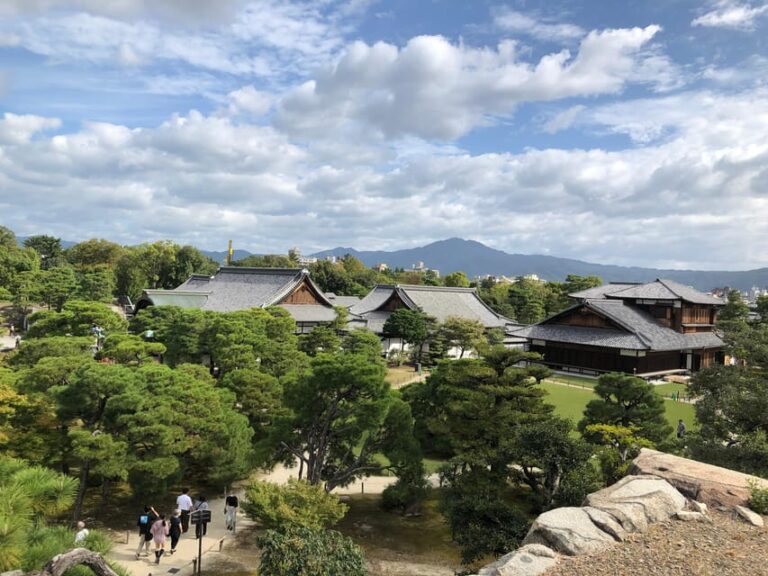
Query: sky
x=617 y=132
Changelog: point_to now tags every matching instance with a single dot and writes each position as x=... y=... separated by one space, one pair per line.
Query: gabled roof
x=343 y=301
x=601 y=291
x=659 y=289
x=634 y=329
x=440 y=302
x=240 y=288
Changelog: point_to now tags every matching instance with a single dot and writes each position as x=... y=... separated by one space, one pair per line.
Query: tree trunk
x=85 y=468
x=105 y=485
x=77 y=557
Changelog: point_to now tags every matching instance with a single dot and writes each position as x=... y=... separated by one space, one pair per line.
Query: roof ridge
x=436 y=288
x=644 y=339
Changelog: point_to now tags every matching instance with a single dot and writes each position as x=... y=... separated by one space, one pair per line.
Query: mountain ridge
x=477 y=259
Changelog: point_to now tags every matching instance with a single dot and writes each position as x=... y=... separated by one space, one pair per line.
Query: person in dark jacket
x=145 y=521
x=175 y=529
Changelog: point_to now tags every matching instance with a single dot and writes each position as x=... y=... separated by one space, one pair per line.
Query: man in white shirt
x=184 y=503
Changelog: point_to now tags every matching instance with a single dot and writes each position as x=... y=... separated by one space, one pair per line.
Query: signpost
x=200 y=517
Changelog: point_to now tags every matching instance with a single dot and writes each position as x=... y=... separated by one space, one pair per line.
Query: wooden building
x=648 y=329
x=439 y=302
x=240 y=288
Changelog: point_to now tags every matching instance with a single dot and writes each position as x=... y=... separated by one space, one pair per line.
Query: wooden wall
x=303 y=294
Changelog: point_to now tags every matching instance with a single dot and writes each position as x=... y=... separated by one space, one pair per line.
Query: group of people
x=156 y=528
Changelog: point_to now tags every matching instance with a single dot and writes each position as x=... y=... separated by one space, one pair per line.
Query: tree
x=57 y=285
x=762 y=307
x=96 y=283
x=411 y=326
x=321 y=339
x=732 y=404
x=456 y=279
x=627 y=401
x=130 y=278
x=49 y=249
x=463 y=333
x=293 y=505
x=181 y=330
x=363 y=342
x=342 y=413
x=76 y=318
x=189 y=260
x=94 y=252
x=546 y=454
x=302 y=551
x=527 y=298
x=618 y=447
x=735 y=310
x=481 y=519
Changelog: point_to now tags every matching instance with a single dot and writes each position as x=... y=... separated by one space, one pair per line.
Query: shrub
x=758 y=497
x=302 y=551
x=405 y=494
x=296 y=504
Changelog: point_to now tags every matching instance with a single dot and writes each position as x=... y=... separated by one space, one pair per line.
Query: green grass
x=390 y=536
x=667 y=389
x=574 y=380
x=570 y=403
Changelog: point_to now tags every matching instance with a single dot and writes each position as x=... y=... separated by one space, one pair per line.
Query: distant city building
x=381 y=267
x=420 y=268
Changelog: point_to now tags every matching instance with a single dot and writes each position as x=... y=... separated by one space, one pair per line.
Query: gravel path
x=727 y=547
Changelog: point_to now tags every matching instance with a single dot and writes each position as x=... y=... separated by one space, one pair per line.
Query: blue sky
x=618 y=132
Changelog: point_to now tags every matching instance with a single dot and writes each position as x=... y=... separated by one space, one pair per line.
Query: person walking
x=159 y=532
x=145 y=522
x=201 y=528
x=82 y=532
x=680 y=429
x=174 y=529
x=184 y=504
x=230 y=511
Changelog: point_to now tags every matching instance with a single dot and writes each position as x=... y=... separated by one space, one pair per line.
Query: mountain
x=476 y=259
x=221 y=255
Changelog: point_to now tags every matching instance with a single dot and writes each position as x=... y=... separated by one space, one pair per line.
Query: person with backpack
x=145 y=521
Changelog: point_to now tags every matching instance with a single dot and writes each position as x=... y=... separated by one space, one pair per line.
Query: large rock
x=703 y=482
x=749 y=516
x=568 y=531
x=529 y=560
x=637 y=501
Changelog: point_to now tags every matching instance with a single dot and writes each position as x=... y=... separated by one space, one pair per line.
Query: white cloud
x=19 y=129
x=695 y=197
x=731 y=14
x=563 y=120
x=261 y=38
x=250 y=101
x=434 y=89
x=509 y=20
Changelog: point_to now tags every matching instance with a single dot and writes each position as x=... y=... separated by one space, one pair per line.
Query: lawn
x=570 y=403
x=582 y=381
x=667 y=389
x=391 y=537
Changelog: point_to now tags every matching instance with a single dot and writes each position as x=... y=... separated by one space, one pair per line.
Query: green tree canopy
x=630 y=402
x=456 y=280
x=462 y=333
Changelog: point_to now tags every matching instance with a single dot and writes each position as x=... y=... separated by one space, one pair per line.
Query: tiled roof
x=442 y=302
x=240 y=288
x=343 y=301
x=439 y=302
x=601 y=291
x=662 y=289
x=641 y=330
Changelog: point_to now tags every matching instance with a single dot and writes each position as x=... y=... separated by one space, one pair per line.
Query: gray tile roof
x=601 y=291
x=662 y=289
x=374 y=299
x=240 y=288
x=641 y=330
x=310 y=312
x=440 y=302
x=343 y=301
